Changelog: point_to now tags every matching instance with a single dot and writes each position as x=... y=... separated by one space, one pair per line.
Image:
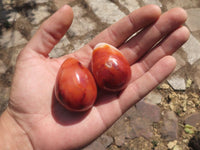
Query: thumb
x=51 y=31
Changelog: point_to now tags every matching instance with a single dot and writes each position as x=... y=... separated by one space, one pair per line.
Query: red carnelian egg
x=75 y=86
x=110 y=68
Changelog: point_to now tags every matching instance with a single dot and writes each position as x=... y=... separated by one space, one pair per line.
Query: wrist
x=13 y=137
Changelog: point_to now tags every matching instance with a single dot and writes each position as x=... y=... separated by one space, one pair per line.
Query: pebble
x=164 y=86
x=153 y=97
x=177 y=147
x=142 y=127
x=171 y=144
x=188 y=83
x=177 y=82
x=193 y=119
x=170 y=127
x=100 y=144
x=142 y=119
x=149 y=111
x=106 y=140
x=119 y=140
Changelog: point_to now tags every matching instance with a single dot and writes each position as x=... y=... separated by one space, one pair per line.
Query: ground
x=168 y=118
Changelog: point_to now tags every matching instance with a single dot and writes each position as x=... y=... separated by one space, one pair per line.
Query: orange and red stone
x=110 y=68
x=75 y=86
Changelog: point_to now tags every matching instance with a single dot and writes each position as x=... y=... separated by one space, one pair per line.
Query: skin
x=35 y=120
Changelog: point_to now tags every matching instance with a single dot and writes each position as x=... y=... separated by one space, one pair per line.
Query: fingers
x=167 y=47
x=148 y=81
x=119 y=32
x=167 y=23
x=51 y=31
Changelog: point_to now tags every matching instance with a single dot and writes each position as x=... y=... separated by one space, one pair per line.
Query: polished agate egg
x=110 y=68
x=75 y=86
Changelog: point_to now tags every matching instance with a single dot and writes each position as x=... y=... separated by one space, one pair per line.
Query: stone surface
x=148 y=111
x=123 y=121
x=142 y=118
x=21 y=3
x=194 y=142
x=196 y=74
x=131 y=5
x=153 y=97
x=35 y=16
x=12 y=17
x=181 y=3
x=9 y=16
x=193 y=119
x=196 y=34
x=141 y=127
x=96 y=145
x=81 y=25
x=192 y=49
x=60 y=3
x=77 y=44
x=2 y=67
x=177 y=147
x=156 y=2
x=40 y=1
x=57 y=52
x=15 y=54
x=180 y=61
x=106 y=140
x=11 y=39
x=193 y=19
x=120 y=140
x=100 y=144
x=177 y=82
x=107 y=11
x=60 y=48
x=139 y=144
x=170 y=128
x=172 y=144
x=4 y=95
x=24 y=27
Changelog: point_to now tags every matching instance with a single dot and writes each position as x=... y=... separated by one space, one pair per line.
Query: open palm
x=32 y=102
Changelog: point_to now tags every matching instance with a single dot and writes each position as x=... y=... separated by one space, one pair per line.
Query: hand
x=46 y=124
